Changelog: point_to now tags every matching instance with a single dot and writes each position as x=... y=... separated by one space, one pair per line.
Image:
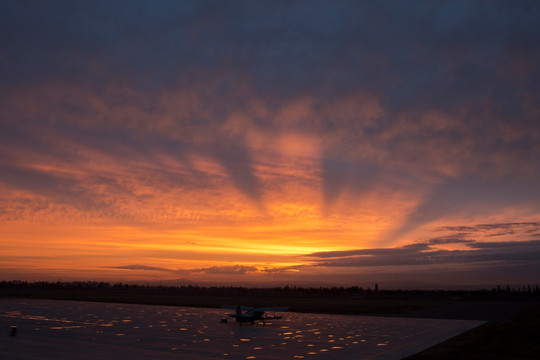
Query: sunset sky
x=253 y=142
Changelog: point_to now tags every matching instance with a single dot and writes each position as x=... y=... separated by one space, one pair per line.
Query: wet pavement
x=49 y=329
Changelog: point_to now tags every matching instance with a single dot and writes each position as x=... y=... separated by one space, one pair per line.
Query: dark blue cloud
x=416 y=55
x=479 y=254
x=520 y=258
x=473 y=62
x=311 y=47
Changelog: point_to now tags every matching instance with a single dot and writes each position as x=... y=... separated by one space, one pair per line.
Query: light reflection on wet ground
x=83 y=330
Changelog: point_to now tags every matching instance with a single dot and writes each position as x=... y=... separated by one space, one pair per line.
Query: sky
x=270 y=142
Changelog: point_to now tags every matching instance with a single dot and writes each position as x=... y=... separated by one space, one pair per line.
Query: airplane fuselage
x=253 y=314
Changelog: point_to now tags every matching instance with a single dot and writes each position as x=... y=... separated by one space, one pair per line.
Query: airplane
x=247 y=314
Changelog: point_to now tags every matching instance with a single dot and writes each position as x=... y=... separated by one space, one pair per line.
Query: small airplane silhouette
x=248 y=314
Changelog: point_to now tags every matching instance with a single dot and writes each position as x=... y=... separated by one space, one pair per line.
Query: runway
x=51 y=329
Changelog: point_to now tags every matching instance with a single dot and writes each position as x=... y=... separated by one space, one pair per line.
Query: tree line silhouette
x=18 y=287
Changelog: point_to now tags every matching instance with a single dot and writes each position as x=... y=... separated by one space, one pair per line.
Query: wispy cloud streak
x=211 y=270
x=427 y=252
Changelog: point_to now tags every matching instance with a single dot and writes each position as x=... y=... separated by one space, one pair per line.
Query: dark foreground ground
x=516 y=338
x=512 y=330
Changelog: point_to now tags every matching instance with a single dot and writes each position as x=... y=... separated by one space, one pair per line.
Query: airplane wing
x=271 y=309
x=246 y=310
x=233 y=307
x=264 y=309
